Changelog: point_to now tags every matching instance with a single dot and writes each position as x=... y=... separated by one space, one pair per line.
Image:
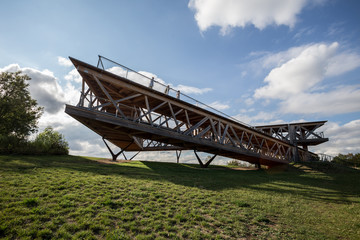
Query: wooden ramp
x=137 y=113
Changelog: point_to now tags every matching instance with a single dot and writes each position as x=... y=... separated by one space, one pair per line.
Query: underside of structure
x=137 y=113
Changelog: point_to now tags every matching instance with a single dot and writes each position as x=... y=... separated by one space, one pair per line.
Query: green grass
x=68 y=197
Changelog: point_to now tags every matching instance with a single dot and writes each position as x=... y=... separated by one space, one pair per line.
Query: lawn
x=66 y=197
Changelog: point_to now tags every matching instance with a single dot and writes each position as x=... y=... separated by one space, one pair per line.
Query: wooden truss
x=135 y=117
x=302 y=133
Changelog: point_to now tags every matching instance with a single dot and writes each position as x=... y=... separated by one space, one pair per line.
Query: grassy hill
x=77 y=197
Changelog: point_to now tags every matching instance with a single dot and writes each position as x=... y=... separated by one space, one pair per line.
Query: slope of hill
x=63 y=197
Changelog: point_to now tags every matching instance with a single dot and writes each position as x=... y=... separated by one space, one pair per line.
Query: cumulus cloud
x=73 y=75
x=64 y=62
x=192 y=90
x=228 y=14
x=344 y=99
x=261 y=118
x=299 y=73
x=249 y=101
x=298 y=76
x=44 y=87
x=342 y=63
x=342 y=138
x=219 y=106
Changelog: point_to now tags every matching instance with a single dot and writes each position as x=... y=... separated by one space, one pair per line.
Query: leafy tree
x=18 y=111
x=348 y=159
x=52 y=142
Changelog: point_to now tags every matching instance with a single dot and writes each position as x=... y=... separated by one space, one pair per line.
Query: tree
x=52 y=142
x=18 y=111
x=348 y=159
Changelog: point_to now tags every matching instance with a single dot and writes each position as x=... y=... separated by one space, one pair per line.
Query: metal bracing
x=202 y=165
x=178 y=154
x=115 y=156
x=153 y=120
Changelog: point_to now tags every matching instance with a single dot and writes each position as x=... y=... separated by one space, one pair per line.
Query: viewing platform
x=137 y=113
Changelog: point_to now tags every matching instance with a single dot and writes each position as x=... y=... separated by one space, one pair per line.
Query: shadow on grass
x=320 y=181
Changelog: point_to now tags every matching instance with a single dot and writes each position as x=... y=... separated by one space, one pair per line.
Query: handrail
x=204 y=106
x=325 y=157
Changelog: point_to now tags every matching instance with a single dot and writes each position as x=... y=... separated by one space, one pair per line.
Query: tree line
x=19 y=115
x=350 y=159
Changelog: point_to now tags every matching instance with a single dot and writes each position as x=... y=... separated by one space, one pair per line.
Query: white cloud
x=219 y=106
x=43 y=87
x=64 y=62
x=263 y=61
x=270 y=60
x=249 y=101
x=344 y=99
x=192 y=90
x=298 y=75
x=228 y=14
x=342 y=63
x=304 y=32
x=73 y=75
x=342 y=138
x=259 y=119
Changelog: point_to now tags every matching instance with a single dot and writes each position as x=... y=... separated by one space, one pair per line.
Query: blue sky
x=265 y=61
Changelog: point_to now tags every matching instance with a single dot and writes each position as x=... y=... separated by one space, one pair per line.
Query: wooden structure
x=136 y=113
x=301 y=134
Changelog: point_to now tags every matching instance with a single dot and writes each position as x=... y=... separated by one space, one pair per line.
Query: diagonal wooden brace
x=108 y=96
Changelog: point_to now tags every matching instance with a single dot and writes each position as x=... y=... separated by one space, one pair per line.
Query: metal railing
x=142 y=79
x=324 y=157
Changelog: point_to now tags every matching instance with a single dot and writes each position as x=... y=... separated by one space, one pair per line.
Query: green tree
x=52 y=142
x=18 y=111
x=348 y=159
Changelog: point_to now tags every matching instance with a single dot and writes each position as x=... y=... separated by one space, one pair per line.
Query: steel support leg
x=178 y=156
x=202 y=165
x=134 y=155
x=114 y=156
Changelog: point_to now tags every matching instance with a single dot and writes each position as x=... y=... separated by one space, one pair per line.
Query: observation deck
x=301 y=134
x=138 y=113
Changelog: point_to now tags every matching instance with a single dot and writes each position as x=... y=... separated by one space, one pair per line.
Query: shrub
x=48 y=142
x=238 y=163
x=51 y=142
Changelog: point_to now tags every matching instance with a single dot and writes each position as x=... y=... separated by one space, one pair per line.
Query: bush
x=51 y=142
x=48 y=142
x=238 y=163
x=12 y=144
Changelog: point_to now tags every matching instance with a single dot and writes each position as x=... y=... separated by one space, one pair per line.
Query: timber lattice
x=137 y=113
